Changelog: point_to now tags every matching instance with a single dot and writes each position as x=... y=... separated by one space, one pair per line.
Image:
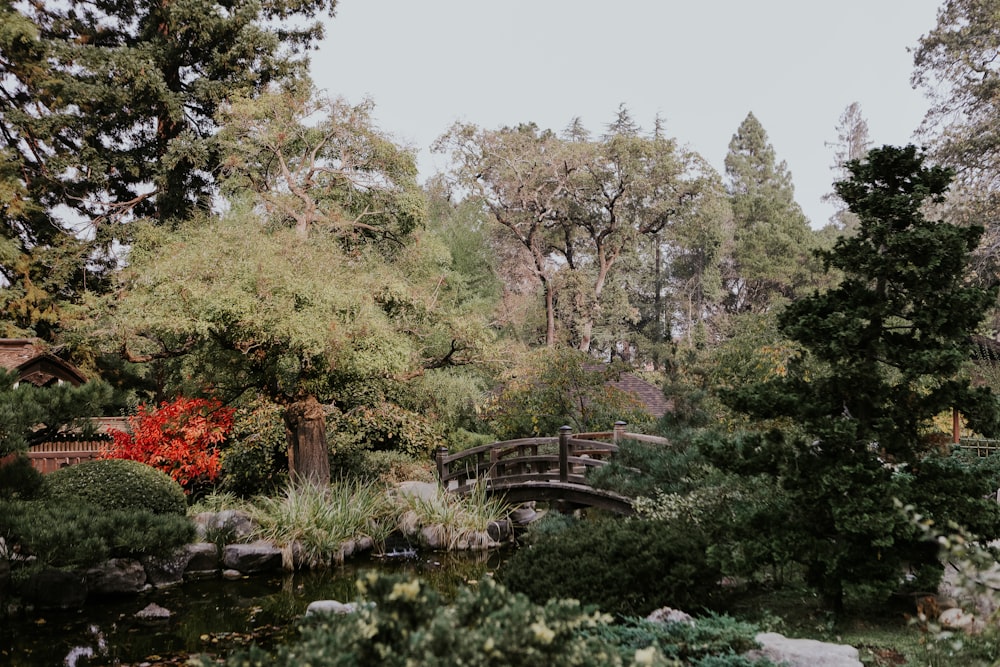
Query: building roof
x=29 y=358
x=648 y=394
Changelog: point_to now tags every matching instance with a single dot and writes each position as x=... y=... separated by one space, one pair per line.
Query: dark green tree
x=107 y=114
x=30 y=415
x=771 y=235
x=883 y=354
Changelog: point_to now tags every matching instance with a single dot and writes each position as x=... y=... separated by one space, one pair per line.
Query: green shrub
x=255 y=461
x=627 y=566
x=384 y=467
x=71 y=533
x=19 y=479
x=117 y=484
x=716 y=641
x=385 y=427
x=403 y=622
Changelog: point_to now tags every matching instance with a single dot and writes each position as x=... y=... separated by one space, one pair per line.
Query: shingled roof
x=28 y=357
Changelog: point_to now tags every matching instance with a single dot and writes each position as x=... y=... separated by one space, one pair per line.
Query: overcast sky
x=702 y=65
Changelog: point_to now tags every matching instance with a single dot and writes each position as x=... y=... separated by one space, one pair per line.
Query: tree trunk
x=308 y=455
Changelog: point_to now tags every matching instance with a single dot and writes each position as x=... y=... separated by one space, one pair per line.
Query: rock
x=252 y=558
x=116 y=577
x=499 y=531
x=54 y=589
x=153 y=612
x=168 y=570
x=230 y=525
x=669 y=615
x=423 y=490
x=524 y=514
x=203 y=561
x=330 y=607
x=434 y=537
x=232 y=575
x=958 y=619
x=803 y=652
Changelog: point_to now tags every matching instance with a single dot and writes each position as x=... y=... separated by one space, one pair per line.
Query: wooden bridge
x=546 y=469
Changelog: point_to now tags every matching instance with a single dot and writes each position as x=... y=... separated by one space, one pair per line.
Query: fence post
x=619 y=432
x=439 y=454
x=564 y=433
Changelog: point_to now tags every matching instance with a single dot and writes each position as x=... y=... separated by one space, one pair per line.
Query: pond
x=211 y=616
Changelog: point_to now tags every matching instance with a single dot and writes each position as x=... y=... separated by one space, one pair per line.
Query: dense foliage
x=72 y=532
x=179 y=437
x=612 y=562
x=117 y=484
x=255 y=458
x=404 y=622
x=556 y=388
x=30 y=415
x=883 y=355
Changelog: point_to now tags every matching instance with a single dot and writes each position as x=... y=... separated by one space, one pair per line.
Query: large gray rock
x=330 y=607
x=804 y=652
x=162 y=571
x=54 y=589
x=117 y=576
x=229 y=525
x=203 y=560
x=251 y=558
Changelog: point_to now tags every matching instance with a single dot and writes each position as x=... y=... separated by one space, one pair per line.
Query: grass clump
x=319 y=520
x=452 y=521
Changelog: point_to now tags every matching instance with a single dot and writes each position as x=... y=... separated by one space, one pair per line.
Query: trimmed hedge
x=117 y=484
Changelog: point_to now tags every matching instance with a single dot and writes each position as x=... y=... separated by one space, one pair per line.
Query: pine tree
x=771 y=234
x=884 y=351
x=852 y=143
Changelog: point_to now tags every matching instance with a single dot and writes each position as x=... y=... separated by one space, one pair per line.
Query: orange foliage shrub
x=179 y=437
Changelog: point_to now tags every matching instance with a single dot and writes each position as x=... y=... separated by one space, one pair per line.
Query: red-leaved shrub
x=179 y=437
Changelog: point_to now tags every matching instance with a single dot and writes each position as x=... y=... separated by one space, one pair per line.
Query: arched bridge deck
x=546 y=469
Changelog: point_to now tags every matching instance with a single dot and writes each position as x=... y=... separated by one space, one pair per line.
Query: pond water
x=211 y=616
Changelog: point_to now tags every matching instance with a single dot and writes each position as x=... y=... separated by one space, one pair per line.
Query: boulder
x=669 y=615
x=117 y=576
x=203 y=561
x=231 y=525
x=153 y=613
x=803 y=652
x=330 y=607
x=251 y=558
x=167 y=570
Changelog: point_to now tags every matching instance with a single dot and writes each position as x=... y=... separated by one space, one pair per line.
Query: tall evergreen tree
x=107 y=114
x=852 y=143
x=771 y=236
x=884 y=351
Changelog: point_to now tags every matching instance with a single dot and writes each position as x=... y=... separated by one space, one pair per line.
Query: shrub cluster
x=627 y=566
x=117 y=484
x=72 y=533
x=385 y=427
x=255 y=460
x=402 y=622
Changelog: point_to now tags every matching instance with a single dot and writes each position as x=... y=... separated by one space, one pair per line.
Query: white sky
x=702 y=65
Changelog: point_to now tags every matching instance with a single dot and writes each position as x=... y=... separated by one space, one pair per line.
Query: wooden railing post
x=564 y=433
x=619 y=432
x=439 y=455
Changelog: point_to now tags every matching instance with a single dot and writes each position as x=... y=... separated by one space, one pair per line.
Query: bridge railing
x=565 y=458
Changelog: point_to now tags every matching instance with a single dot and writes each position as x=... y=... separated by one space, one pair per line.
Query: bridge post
x=439 y=455
x=619 y=432
x=564 y=433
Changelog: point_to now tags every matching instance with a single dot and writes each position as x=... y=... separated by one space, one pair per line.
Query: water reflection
x=211 y=616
